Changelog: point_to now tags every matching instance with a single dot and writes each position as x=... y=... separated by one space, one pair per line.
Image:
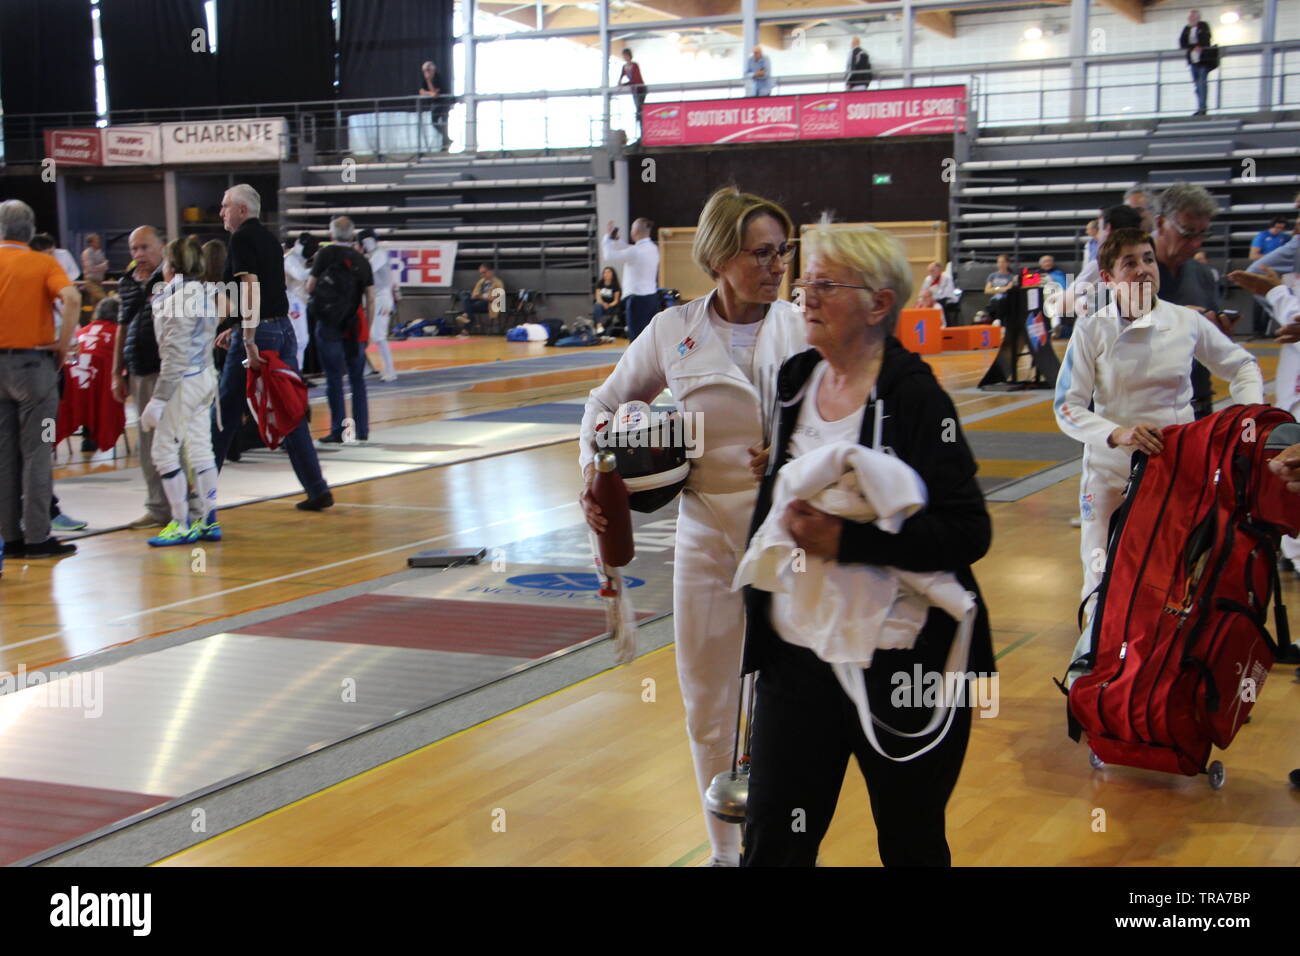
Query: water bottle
x=616 y=547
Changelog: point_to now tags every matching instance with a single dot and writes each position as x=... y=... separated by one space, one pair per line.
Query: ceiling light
x=1033 y=33
x=1229 y=16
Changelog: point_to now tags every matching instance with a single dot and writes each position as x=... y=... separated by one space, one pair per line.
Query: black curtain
x=149 y=54
x=273 y=51
x=47 y=65
x=383 y=42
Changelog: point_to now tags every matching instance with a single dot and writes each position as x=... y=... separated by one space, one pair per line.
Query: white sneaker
x=388 y=378
x=1076 y=522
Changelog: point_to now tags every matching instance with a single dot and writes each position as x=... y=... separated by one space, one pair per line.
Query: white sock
x=206 y=481
x=177 y=490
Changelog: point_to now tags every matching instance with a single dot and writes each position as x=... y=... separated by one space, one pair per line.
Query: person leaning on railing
x=432 y=87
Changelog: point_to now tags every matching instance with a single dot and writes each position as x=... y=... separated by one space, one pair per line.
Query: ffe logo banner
x=422 y=263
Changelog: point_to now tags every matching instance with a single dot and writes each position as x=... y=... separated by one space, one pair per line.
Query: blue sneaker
x=64 y=523
x=209 y=530
x=174 y=534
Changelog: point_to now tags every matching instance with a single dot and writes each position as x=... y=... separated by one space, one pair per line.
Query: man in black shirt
x=860 y=74
x=256 y=261
x=341 y=281
x=1183 y=216
x=1195 y=40
x=136 y=362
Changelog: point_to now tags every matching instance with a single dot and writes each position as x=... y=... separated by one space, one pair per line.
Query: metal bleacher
x=531 y=217
x=1031 y=193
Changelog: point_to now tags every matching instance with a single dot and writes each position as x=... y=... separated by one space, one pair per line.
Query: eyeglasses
x=1189 y=233
x=766 y=255
x=825 y=289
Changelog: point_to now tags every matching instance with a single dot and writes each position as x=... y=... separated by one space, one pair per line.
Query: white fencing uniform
x=1135 y=373
x=381 y=265
x=686 y=351
x=1286 y=308
x=296 y=274
x=185 y=322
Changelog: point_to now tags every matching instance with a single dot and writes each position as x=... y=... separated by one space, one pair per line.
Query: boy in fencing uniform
x=386 y=295
x=185 y=320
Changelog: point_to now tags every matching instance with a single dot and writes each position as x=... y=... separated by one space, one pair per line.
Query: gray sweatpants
x=29 y=404
x=155 y=501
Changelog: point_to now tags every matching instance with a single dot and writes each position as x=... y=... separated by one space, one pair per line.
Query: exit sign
x=881 y=179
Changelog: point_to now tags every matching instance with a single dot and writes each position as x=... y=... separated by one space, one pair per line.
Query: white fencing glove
x=152 y=414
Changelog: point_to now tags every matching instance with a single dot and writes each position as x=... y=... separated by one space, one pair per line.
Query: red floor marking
x=35 y=816
x=467 y=627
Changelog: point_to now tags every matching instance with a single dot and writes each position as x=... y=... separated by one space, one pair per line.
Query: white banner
x=423 y=264
x=224 y=140
x=132 y=146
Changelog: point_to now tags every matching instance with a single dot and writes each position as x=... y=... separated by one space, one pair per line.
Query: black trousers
x=640 y=309
x=805 y=728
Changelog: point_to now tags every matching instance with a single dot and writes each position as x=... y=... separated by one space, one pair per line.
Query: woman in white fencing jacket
x=718 y=356
x=859 y=384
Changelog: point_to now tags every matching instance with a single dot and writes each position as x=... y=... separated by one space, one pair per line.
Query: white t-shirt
x=740 y=340
x=812 y=431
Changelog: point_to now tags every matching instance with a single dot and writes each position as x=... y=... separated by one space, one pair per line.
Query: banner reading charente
x=906 y=112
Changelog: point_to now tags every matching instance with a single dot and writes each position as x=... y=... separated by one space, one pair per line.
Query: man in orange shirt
x=30 y=360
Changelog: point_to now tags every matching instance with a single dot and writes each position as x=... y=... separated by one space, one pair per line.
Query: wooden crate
x=963 y=338
x=677 y=270
x=920 y=330
x=924 y=241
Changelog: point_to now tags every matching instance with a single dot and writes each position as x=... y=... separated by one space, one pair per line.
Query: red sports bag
x=1180 y=647
x=277 y=397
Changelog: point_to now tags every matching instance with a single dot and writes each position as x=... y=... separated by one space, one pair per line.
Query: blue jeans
x=276 y=335
x=640 y=309
x=1200 y=78
x=336 y=360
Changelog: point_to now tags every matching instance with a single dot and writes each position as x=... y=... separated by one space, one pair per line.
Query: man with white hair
x=640 y=262
x=30 y=361
x=859 y=74
x=255 y=260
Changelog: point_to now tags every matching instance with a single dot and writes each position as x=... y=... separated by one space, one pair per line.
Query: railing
x=1251 y=77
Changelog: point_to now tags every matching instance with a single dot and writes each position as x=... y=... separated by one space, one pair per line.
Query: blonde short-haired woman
x=718 y=356
x=858 y=384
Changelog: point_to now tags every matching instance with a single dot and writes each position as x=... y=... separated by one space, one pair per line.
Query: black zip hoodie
x=951 y=533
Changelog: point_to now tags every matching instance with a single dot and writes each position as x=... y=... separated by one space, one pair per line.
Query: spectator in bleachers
x=860 y=74
x=632 y=79
x=1285 y=258
x=943 y=293
x=1047 y=266
x=432 y=87
x=758 y=74
x=1183 y=216
x=1194 y=39
x=608 y=295
x=94 y=264
x=488 y=295
x=640 y=273
x=998 y=287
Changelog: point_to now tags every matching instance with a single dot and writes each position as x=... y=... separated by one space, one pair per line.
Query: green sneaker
x=209 y=530
x=174 y=534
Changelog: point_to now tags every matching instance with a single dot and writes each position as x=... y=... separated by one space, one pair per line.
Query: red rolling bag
x=1180 y=644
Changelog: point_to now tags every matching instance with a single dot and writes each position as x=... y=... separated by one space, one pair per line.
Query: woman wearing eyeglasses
x=718 y=356
x=859 y=384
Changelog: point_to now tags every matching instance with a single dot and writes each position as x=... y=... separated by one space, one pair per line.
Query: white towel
x=844 y=613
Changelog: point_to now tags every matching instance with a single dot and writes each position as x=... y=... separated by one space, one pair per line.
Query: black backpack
x=867 y=75
x=338 y=293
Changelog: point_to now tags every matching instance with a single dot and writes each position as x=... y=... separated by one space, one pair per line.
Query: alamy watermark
x=79 y=690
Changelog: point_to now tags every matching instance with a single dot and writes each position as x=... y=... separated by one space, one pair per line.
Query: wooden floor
x=593 y=775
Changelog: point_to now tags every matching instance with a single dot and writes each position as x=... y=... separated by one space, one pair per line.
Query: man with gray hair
x=1183 y=216
x=342 y=281
x=31 y=358
x=256 y=262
